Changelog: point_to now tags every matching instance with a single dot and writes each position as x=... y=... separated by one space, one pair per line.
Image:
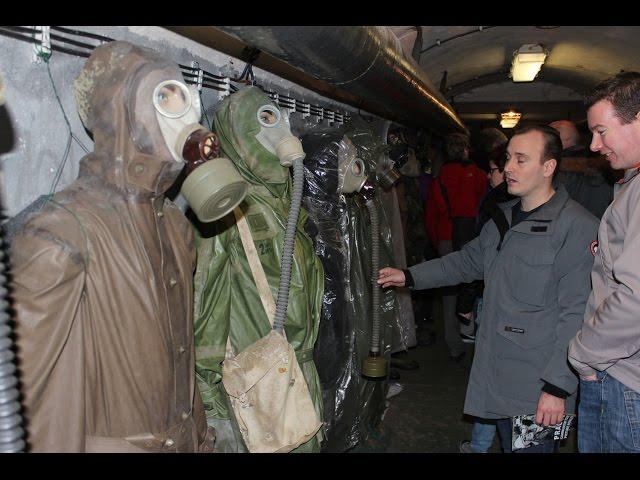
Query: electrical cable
x=440 y=42
x=70 y=41
x=83 y=34
x=54 y=47
x=212 y=76
x=18 y=36
x=71 y=137
x=21 y=29
x=204 y=111
x=69 y=51
x=247 y=77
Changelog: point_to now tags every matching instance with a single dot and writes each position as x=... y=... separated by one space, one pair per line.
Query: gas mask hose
x=11 y=432
x=289 y=243
x=375 y=267
x=374 y=366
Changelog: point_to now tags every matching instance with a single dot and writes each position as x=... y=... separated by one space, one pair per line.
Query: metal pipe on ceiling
x=363 y=66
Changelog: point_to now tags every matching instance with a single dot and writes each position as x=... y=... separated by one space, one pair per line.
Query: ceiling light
x=527 y=61
x=509 y=119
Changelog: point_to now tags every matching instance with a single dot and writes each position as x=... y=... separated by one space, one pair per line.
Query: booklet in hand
x=527 y=433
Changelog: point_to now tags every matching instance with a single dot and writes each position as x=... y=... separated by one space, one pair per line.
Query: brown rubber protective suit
x=103 y=282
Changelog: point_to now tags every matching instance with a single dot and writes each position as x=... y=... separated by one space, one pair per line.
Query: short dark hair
x=489 y=138
x=499 y=156
x=623 y=91
x=455 y=144
x=552 y=142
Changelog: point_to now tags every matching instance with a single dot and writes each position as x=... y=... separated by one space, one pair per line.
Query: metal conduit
x=363 y=66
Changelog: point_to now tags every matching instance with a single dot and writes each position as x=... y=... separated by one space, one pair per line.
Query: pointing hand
x=391 y=277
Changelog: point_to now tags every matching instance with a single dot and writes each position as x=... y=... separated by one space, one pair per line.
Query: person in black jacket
x=484 y=430
x=488 y=209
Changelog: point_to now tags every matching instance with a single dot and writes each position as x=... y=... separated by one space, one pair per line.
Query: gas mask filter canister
x=213 y=186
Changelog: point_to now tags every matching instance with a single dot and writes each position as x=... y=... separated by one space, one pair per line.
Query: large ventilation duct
x=363 y=66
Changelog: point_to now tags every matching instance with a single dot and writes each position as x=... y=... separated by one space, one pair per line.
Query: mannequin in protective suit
x=103 y=281
x=227 y=302
x=372 y=394
x=328 y=223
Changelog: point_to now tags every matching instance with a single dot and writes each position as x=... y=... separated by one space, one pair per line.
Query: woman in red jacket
x=450 y=214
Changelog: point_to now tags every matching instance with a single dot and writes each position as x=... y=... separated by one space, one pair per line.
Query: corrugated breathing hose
x=289 y=243
x=375 y=267
x=11 y=432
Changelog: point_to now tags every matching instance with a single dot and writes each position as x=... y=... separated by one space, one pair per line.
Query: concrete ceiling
x=478 y=63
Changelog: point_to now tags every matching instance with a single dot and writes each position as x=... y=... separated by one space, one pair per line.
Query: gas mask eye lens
x=268 y=116
x=171 y=98
x=357 y=167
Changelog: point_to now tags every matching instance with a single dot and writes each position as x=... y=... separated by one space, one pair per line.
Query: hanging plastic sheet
x=341 y=227
x=372 y=393
x=328 y=225
x=401 y=157
x=403 y=334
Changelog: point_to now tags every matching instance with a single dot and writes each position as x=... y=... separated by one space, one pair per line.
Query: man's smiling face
x=618 y=142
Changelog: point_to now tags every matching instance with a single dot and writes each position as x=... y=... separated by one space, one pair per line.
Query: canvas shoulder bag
x=267 y=390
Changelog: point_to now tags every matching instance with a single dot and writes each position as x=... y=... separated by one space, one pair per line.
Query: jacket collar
x=544 y=217
x=629 y=175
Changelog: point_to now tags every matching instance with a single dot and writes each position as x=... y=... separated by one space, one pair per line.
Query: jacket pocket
x=632 y=405
x=530 y=277
x=532 y=335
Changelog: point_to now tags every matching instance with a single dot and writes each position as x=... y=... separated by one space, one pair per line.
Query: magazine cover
x=527 y=433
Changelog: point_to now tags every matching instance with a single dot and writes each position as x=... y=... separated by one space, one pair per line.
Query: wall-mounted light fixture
x=509 y=119
x=527 y=61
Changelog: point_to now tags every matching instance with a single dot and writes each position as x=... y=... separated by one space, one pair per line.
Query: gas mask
x=411 y=168
x=213 y=187
x=351 y=169
x=275 y=135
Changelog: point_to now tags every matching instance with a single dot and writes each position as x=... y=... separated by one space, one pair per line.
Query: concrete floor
x=426 y=417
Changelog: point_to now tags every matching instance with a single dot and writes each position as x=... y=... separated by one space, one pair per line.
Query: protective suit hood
x=114 y=94
x=236 y=123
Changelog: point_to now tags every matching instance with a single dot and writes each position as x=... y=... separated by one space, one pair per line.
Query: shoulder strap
x=445 y=196
x=256 y=266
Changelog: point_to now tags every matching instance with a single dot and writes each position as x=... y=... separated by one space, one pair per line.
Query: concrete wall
x=33 y=133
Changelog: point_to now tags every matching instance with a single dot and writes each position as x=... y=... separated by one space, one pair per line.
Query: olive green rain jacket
x=227 y=302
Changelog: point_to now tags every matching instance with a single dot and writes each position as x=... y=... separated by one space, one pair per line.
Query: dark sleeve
x=555 y=391
x=408 y=278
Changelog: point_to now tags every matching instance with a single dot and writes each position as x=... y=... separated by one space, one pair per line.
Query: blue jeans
x=608 y=417
x=478 y=308
x=482 y=435
x=504 y=429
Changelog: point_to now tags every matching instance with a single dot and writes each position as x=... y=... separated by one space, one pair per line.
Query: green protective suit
x=227 y=303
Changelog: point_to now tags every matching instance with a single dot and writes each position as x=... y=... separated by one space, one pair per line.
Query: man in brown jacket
x=606 y=351
x=103 y=281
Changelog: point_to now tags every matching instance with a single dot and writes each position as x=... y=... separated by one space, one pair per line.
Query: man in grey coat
x=535 y=261
x=606 y=351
